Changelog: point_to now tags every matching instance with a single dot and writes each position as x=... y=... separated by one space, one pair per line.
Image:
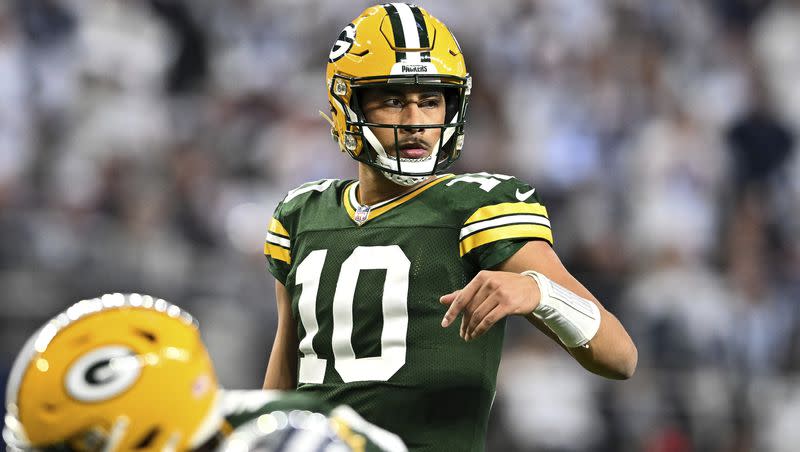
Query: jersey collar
x=361 y=214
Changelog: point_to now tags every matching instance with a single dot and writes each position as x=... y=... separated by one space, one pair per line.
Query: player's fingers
x=462 y=299
x=488 y=288
x=448 y=298
x=480 y=312
x=487 y=322
x=470 y=307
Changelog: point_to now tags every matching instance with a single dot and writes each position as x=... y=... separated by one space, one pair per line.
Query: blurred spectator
x=760 y=143
x=675 y=181
x=143 y=144
x=536 y=381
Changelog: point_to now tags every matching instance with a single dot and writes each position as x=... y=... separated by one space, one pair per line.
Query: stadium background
x=144 y=144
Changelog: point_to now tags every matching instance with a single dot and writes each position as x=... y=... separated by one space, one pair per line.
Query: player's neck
x=374 y=187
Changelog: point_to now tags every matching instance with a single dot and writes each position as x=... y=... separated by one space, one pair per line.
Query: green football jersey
x=365 y=284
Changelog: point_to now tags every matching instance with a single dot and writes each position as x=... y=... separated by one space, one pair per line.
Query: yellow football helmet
x=115 y=373
x=396 y=43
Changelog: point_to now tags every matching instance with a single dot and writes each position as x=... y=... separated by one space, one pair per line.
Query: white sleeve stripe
x=501 y=221
x=278 y=240
x=320 y=187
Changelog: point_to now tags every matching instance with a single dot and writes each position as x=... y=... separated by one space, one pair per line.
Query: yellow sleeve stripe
x=506 y=208
x=277 y=244
x=276 y=227
x=505 y=220
x=277 y=252
x=513 y=231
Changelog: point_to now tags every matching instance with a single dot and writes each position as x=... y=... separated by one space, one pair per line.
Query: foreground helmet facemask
x=397 y=44
x=291 y=431
x=119 y=372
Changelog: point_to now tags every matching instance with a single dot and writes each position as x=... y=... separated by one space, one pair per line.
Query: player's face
x=405 y=105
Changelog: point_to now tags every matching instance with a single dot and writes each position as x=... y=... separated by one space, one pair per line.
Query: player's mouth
x=413 y=153
x=413 y=150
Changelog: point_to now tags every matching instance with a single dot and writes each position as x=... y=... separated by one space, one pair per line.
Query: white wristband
x=574 y=319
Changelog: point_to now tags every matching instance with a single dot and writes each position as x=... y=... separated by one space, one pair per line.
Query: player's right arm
x=282 y=367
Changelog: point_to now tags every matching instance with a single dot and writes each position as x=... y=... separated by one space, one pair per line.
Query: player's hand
x=488 y=298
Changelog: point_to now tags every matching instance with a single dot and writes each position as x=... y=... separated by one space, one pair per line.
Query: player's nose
x=412 y=116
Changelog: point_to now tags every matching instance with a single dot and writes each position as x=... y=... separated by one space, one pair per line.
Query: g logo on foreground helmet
x=102 y=373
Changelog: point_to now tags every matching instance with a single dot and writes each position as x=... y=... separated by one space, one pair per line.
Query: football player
x=131 y=372
x=371 y=273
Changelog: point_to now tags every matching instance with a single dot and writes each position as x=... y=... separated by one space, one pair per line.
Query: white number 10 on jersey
x=394 y=307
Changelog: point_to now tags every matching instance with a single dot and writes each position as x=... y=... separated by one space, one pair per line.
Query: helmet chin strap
x=406 y=181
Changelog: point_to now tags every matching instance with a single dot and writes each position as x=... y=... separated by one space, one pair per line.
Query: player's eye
x=393 y=102
x=432 y=102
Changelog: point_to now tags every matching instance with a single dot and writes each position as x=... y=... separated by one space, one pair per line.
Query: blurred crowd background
x=145 y=143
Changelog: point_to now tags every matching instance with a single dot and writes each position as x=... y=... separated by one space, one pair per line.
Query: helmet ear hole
x=147 y=439
x=147 y=335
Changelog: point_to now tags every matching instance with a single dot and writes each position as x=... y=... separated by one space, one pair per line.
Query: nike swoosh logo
x=526 y=195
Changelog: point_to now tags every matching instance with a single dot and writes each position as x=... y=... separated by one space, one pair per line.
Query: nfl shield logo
x=362 y=214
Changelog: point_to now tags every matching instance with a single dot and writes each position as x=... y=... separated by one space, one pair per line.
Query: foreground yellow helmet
x=396 y=43
x=115 y=373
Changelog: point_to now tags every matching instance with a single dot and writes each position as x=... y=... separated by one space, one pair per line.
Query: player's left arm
x=493 y=295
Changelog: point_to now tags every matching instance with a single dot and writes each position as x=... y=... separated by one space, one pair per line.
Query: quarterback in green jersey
x=130 y=372
x=371 y=273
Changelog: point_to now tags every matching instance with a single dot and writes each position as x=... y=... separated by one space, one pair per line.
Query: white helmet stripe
x=410 y=32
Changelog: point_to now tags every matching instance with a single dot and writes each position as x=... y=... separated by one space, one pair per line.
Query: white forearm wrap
x=574 y=319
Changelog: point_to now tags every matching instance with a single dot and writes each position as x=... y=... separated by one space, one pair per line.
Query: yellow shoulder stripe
x=276 y=227
x=277 y=252
x=506 y=208
x=514 y=231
